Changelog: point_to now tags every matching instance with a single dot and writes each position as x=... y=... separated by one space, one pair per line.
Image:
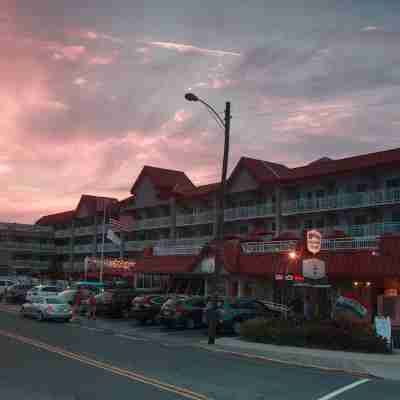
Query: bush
x=334 y=335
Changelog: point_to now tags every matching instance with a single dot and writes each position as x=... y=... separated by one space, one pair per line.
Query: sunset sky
x=92 y=90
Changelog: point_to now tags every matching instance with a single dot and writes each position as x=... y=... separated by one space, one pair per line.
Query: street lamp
x=225 y=124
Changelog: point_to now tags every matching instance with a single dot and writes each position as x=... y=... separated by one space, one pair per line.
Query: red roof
x=58 y=218
x=326 y=166
x=261 y=171
x=96 y=203
x=164 y=179
x=165 y=264
x=199 y=191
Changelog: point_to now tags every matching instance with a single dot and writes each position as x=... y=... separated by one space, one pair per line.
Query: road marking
x=107 y=367
x=343 y=389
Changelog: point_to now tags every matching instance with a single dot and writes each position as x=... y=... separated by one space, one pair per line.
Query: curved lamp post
x=219 y=234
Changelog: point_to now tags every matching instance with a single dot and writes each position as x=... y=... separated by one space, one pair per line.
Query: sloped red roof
x=58 y=218
x=327 y=166
x=95 y=203
x=164 y=179
x=165 y=264
x=199 y=191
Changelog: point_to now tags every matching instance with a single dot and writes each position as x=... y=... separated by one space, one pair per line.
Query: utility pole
x=219 y=237
x=219 y=231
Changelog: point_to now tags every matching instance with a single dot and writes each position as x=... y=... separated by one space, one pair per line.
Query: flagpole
x=102 y=242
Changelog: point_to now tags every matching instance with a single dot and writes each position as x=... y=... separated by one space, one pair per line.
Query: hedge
x=333 y=335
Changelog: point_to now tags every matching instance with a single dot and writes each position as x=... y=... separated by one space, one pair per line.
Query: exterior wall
x=25 y=248
x=146 y=195
x=243 y=182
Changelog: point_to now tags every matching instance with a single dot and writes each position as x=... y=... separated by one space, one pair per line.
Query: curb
x=290 y=363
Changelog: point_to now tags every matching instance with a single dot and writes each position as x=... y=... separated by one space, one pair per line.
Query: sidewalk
x=379 y=365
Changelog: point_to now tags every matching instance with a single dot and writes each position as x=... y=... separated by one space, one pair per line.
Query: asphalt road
x=62 y=361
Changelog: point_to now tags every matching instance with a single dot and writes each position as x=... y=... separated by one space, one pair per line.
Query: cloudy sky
x=92 y=90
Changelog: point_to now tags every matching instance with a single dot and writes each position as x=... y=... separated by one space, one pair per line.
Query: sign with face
x=314 y=241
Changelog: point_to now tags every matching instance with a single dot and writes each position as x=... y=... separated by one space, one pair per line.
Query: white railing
x=137 y=245
x=257 y=211
x=341 y=201
x=63 y=233
x=350 y=244
x=269 y=247
x=83 y=248
x=150 y=223
x=84 y=230
x=195 y=219
x=177 y=250
x=108 y=247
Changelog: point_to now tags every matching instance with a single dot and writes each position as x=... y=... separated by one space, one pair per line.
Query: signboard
x=289 y=277
x=314 y=241
x=313 y=268
x=347 y=304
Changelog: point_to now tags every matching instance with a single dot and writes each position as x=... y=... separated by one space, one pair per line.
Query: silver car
x=46 y=308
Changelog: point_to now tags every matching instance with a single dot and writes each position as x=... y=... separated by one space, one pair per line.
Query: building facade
x=25 y=248
x=354 y=202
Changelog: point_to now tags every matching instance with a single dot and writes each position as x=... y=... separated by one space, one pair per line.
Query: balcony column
x=278 y=207
x=215 y=206
x=172 y=208
x=94 y=237
x=71 y=245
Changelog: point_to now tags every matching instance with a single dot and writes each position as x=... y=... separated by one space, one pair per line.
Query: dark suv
x=232 y=312
x=183 y=312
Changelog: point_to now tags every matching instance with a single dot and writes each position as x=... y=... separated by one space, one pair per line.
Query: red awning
x=165 y=264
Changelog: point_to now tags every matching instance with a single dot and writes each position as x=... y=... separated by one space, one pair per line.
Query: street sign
x=314 y=241
x=313 y=268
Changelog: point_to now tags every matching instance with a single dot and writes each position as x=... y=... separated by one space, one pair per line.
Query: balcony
x=108 y=247
x=63 y=233
x=26 y=246
x=83 y=248
x=180 y=246
x=342 y=201
x=257 y=211
x=77 y=266
x=367 y=243
x=31 y=264
x=195 y=219
x=137 y=245
x=269 y=247
x=84 y=231
x=151 y=223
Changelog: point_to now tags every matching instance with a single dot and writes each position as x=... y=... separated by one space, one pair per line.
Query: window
x=362 y=187
x=360 y=219
x=393 y=183
x=308 y=224
x=320 y=193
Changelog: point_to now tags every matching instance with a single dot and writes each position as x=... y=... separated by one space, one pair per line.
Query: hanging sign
x=314 y=268
x=314 y=238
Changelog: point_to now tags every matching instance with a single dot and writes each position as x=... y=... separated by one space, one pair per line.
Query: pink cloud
x=101 y=60
x=71 y=53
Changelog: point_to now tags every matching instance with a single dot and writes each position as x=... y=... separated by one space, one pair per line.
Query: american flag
x=120 y=224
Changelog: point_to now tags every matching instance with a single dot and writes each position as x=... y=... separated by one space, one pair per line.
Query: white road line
x=343 y=389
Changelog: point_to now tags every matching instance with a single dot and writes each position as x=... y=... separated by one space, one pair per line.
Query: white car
x=45 y=308
x=42 y=290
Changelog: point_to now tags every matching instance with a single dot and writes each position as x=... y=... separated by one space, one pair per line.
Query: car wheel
x=236 y=327
x=190 y=324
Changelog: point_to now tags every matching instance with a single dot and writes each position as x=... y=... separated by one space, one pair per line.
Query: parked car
x=17 y=293
x=147 y=307
x=46 y=308
x=42 y=290
x=115 y=302
x=183 y=312
x=231 y=312
x=4 y=285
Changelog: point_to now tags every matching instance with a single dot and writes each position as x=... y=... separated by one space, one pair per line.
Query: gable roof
x=164 y=180
x=96 y=203
x=261 y=171
x=58 y=218
x=199 y=191
x=326 y=166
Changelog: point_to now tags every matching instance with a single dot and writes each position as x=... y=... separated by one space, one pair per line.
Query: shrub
x=334 y=335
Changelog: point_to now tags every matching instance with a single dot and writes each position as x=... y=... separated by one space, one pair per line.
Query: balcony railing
x=84 y=230
x=195 y=219
x=177 y=250
x=83 y=248
x=350 y=244
x=34 y=264
x=341 y=201
x=63 y=233
x=180 y=246
x=27 y=246
x=269 y=247
x=150 y=223
x=257 y=211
